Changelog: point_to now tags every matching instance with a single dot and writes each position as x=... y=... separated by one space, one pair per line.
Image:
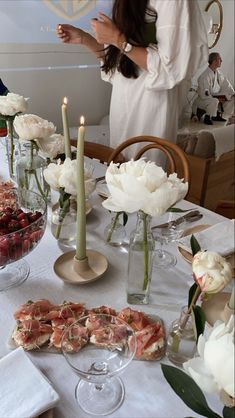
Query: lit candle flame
x=65 y=101
x=82 y=120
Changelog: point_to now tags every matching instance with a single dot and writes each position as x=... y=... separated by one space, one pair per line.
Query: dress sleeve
x=182 y=44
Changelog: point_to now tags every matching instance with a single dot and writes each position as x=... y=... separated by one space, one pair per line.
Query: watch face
x=127 y=47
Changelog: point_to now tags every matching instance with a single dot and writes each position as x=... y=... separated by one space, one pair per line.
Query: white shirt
x=150 y=104
x=214 y=82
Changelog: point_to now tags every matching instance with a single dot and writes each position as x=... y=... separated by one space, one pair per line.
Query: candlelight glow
x=65 y=101
x=82 y=120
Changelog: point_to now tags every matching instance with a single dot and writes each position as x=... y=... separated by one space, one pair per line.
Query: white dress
x=151 y=104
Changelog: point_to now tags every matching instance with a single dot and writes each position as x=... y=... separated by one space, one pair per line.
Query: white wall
x=88 y=95
x=225 y=45
x=86 y=92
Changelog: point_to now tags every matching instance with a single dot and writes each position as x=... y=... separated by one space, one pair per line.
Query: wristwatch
x=126 y=47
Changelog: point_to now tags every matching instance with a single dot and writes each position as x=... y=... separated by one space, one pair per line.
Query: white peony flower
x=51 y=146
x=65 y=176
x=140 y=185
x=213 y=370
x=211 y=271
x=52 y=174
x=31 y=127
x=12 y=103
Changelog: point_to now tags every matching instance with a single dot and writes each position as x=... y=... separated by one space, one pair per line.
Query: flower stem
x=176 y=335
x=33 y=171
x=146 y=255
x=63 y=211
x=113 y=225
x=12 y=146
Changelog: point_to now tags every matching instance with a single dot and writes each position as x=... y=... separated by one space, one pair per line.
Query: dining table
x=147 y=393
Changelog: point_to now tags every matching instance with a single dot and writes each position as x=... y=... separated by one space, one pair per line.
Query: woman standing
x=148 y=50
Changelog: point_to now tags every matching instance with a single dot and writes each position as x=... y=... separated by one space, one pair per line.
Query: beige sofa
x=211 y=158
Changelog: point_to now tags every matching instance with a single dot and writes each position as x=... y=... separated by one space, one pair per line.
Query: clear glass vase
x=115 y=232
x=29 y=170
x=13 y=149
x=181 y=343
x=63 y=222
x=140 y=261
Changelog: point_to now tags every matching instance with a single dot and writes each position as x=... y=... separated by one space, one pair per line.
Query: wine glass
x=21 y=229
x=165 y=234
x=98 y=347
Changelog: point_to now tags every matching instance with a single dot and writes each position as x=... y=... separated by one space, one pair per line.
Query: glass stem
x=99 y=387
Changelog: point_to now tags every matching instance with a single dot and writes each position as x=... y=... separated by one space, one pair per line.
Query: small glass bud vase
x=115 y=232
x=140 y=261
x=29 y=170
x=13 y=149
x=63 y=222
x=181 y=343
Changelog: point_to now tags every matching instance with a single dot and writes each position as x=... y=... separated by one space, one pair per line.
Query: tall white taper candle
x=81 y=209
x=64 y=112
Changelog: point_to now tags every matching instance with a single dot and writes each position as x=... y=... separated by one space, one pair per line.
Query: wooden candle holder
x=71 y=270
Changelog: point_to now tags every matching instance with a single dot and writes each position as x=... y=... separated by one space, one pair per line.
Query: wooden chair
x=226 y=208
x=176 y=157
x=99 y=152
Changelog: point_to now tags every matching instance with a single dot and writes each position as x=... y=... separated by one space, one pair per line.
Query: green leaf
x=228 y=412
x=194 y=245
x=199 y=320
x=185 y=387
x=191 y=293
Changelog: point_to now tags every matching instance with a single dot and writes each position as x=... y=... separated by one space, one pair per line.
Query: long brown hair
x=129 y=17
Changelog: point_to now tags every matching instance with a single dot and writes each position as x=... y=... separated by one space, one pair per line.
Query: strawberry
x=36 y=235
x=13 y=225
x=24 y=222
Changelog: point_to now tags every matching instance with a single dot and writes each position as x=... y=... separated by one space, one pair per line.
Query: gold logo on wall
x=70 y=9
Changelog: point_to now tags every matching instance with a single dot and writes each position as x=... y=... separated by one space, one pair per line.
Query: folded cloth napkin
x=218 y=238
x=25 y=392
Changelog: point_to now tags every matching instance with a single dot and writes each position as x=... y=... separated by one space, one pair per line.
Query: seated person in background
x=215 y=92
x=3 y=92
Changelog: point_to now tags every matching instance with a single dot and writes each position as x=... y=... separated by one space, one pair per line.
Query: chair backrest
x=226 y=208
x=176 y=157
x=99 y=152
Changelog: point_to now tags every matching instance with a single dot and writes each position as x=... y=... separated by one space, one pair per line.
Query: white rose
x=31 y=127
x=213 y=370
x=51 y=146
x=140 y=185
x=211 y=271
x=52 y=174
x=12 y=103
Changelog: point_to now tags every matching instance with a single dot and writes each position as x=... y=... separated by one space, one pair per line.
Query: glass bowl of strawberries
x=21 y=228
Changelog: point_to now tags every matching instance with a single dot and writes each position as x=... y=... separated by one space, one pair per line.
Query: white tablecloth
x=148 y=395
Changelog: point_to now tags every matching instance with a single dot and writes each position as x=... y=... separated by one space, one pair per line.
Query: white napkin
x=218 y=238
x=24 y=391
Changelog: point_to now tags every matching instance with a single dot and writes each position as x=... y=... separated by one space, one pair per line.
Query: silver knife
x=189 y=217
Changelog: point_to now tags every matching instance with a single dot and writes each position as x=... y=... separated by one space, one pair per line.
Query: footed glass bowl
x=21 y=229
x=98 y=348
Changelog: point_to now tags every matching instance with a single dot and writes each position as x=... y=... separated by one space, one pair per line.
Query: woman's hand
x=106 y=32
x=69 y=34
